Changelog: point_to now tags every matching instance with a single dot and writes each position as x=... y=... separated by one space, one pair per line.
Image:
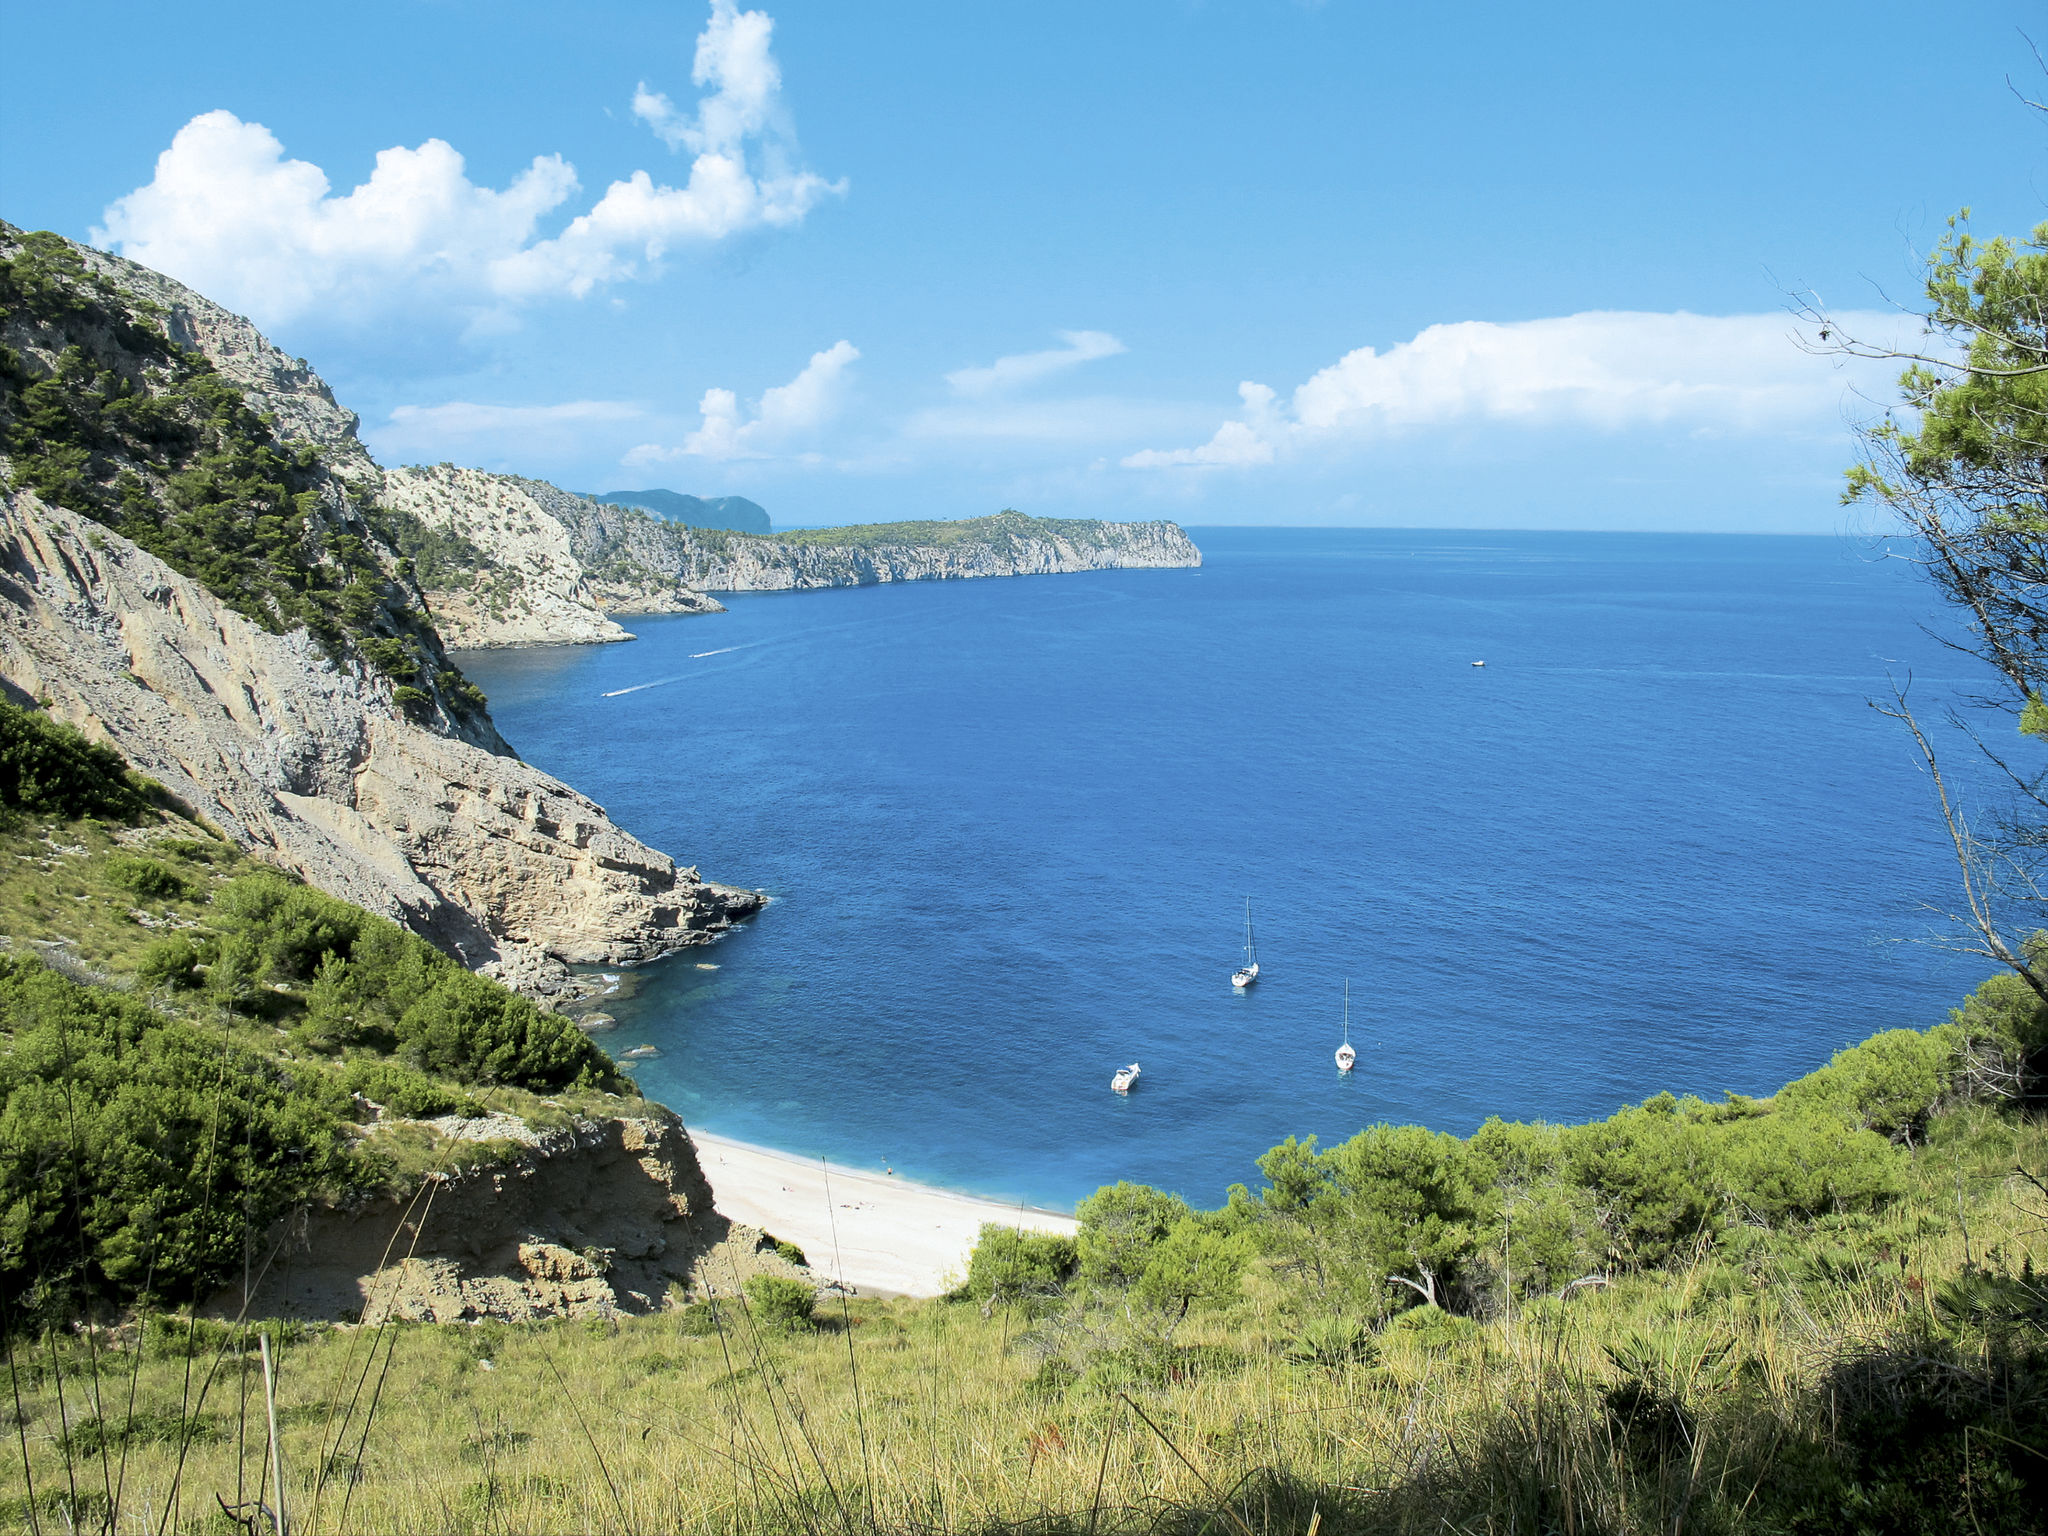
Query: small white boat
x=1347 y=1058
x=1478 y=663
x=1247 y=973
x=1125 y=1076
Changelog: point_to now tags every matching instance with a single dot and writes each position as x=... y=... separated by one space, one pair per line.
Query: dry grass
x=907 y=1416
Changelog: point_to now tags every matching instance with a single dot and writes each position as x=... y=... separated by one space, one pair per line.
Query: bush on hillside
x=1010 y=1266
x=48 y=768
x=779 y=1304
x=135 y=1152
x=368 y=981
x=1121 y=1223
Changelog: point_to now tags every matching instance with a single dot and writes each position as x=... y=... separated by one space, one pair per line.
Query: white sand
x=892 y=1237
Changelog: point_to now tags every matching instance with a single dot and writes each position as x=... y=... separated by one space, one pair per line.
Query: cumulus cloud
x=1608 y=371
x=733 y=57
x=783 y=415
x=229 y=214
x=1013 y=372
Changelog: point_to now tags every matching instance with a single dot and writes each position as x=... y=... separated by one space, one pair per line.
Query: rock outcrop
x=314 y=763
x=601 y=1218
x=528 y=584
x=283 y=680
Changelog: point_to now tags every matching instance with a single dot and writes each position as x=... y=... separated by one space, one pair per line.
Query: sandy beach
x=879 y=1234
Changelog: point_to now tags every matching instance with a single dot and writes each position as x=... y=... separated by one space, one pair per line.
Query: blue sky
x=861 y=262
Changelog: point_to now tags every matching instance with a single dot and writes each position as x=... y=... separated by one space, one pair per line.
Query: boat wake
x=662 y=682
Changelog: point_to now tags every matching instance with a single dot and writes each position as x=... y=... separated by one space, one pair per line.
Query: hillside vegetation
x=192 y=1043
x=101 y=413
x=1812 y=1313
x=1000 y=532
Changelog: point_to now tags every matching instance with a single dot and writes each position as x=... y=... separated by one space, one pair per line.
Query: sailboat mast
x=1347 y=1010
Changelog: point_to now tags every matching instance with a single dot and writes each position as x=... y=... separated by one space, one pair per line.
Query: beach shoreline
x=871 y=1231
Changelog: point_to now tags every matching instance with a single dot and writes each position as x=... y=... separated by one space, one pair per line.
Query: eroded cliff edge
x=275 y=666
x=593 y=1219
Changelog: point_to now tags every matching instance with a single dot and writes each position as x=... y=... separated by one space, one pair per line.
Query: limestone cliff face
x=315 y=764
x=560 y=562
x=285 y=387
x=532 y=591
x=1013 y=545
x=361 y=759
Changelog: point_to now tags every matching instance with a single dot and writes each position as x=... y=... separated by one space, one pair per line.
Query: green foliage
x=135 y=1152
x=370 y=982
x=146 y=878
x=779 y=1304
x=403 y=1091
x=1890 y=1083
x=789 y=1253
x=1201 y=1261
x=1331 y=1343
x=1120 y=1226
x=1009 y=1266
x=48 y=768
x=440 y=559
x=1004 y=531
x=144 y=436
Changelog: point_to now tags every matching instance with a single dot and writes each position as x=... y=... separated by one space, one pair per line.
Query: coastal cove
x=1659 y=841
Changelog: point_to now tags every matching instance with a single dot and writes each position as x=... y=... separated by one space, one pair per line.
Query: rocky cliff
x=219 y=603
x=510 y=572
x=1008 y=544
x=551 y=566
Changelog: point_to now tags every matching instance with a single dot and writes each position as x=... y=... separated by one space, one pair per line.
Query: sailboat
x=1125 y=1076
x=1347 y=1058
x=1247 y=973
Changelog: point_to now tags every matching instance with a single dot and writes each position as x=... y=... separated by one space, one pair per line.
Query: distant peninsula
x=735 y=514
x=505 y=561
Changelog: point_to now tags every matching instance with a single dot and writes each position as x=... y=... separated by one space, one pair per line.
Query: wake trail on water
x=660 y=682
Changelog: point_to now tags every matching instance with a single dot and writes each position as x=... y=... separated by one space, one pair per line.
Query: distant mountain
x=731 y=512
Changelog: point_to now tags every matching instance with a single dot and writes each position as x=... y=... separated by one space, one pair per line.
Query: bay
x=1659 y=841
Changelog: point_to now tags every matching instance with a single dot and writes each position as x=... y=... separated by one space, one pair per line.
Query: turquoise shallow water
x=1659 y=841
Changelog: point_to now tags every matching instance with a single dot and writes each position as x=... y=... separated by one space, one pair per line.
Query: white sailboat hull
x=1245 y=976
x=1347 y=1058
x=1125 y=1076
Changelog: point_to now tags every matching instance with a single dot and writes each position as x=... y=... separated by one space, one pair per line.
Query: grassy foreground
x=1696 y=1397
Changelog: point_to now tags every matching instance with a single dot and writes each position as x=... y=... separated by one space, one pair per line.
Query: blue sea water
x=1659 y=841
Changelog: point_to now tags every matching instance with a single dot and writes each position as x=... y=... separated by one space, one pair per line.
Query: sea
x=1661 y=840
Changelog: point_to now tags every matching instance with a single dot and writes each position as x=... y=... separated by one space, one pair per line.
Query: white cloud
x=1609 y=371
x=732 y=55
x=228 y=214
x=1007 y=373
x=783 y=415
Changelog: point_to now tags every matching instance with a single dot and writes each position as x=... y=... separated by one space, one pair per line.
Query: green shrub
x=172 y=961
x=145 y=877
x=1889 y=1084
x=1008 y=1265
x=405 y=1092
x=1121 y=1223
x=1331 y=1343
x=126 y=1142
x=48 y=768
x=779 y=1304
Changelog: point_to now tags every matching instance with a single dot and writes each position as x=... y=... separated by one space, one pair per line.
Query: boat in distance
x=1347 y=1058
x=1125 y=1076
x=1247 y=973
